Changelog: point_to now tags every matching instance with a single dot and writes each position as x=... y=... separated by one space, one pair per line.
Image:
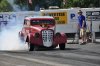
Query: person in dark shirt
x=82 y=26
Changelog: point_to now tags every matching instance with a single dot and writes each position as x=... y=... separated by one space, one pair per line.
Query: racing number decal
x=60 y=17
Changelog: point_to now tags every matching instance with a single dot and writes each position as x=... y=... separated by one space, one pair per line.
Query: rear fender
x=21 y=36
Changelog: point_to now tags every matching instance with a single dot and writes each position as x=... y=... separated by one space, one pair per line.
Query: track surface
x=74 y=55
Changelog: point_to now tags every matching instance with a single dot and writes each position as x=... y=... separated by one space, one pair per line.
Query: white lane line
x=74 y=55
x=80 y=56
x=38 y=60
x=7 y=63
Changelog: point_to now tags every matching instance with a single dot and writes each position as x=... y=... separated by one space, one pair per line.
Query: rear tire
x=62 y=46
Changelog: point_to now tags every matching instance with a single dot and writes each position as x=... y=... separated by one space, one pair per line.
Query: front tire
x=62 y=46
x=31 y=47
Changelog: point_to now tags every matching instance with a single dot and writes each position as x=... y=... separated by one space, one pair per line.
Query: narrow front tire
x=62 y=46
x=31 y=47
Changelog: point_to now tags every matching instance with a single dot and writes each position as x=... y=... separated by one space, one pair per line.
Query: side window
x=28 y=23
x=25 y=22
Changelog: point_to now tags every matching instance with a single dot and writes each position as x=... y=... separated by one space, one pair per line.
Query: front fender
x=60 y=39
x=34 y=40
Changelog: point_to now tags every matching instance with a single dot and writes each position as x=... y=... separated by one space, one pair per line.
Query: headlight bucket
x=37 y=35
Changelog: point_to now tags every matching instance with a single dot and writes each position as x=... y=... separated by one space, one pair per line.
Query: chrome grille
x=47 y=36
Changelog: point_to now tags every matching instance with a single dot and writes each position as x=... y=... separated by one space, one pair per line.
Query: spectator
x=82 y=26
x=89 y=30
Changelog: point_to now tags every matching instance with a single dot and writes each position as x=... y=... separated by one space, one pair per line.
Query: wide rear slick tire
x=62 y=46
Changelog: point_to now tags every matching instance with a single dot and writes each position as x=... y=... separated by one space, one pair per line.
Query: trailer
x=66 y=19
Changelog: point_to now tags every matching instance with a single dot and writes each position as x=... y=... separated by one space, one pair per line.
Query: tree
x=54 y=2
x=46 y=3
x=82 y=3
x=41 y=3
x=25 y=3
x=21 y=3
x=5 y=6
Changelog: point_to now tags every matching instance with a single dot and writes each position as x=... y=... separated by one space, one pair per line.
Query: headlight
x=37 y=35
x=58 y=34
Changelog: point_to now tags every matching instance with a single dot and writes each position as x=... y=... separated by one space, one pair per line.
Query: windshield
x=40 y=22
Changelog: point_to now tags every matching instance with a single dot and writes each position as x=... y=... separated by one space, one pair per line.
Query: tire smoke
x=9 y=39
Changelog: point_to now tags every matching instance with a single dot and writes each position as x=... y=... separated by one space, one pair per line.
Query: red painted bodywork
x=29 y=33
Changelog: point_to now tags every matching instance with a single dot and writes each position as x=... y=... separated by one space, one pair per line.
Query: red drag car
x=39 y=31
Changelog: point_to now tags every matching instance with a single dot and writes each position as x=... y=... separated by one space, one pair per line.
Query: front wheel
x=62 y=46
x=31 y=47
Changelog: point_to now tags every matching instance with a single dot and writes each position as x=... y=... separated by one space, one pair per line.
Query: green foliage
x=69 y=3
x=5 y=6
x=83 y=3
x=21 y=3
x=42 y=3
x=25 y=3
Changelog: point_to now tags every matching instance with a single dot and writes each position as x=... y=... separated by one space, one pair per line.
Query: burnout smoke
x=9 y=39
x=16 y=7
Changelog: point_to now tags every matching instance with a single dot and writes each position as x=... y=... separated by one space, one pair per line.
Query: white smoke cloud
x=16 y=7
x=9 y=39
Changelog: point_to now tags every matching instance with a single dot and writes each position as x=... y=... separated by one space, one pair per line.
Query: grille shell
x=47 y=37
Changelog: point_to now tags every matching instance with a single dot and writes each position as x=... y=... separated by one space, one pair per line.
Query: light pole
x=29 y=4
x=64 y=3
x=98 y=3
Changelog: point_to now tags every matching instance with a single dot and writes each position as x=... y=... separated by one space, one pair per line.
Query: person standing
x=82 y=26
x=89 y=30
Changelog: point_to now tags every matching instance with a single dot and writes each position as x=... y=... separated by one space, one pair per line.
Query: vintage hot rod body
x=39 y=31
